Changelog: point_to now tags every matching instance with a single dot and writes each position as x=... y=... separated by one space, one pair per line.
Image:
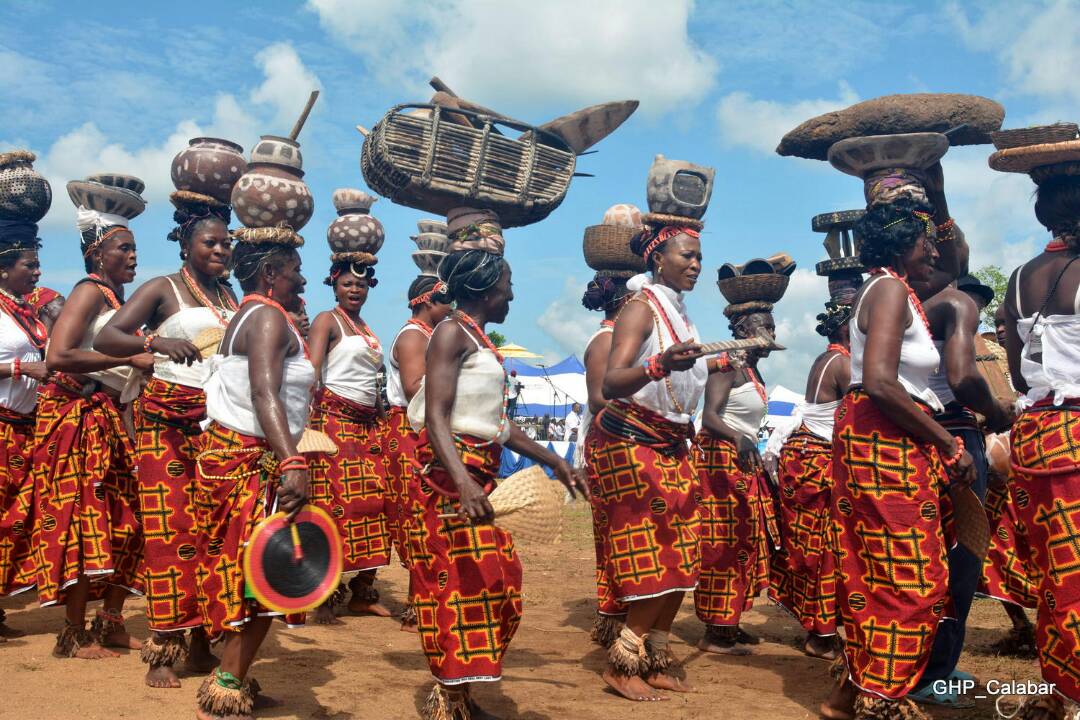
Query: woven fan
x=969 y=519
x=208 y=341
x=316 y=441
x=529 y=505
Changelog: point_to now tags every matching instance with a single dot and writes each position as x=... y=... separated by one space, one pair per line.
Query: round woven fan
x=969 y=519
x=529 y=505
x=294 y=567
x=208 y=341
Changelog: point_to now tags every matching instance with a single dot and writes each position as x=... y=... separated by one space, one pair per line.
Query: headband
x=666 y=233
x=424 y=298
x=923 y=217
x=104 y=225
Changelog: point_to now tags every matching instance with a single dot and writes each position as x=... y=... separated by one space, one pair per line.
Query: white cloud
x=759 y=124
x=796 y=318
x=567 y=322
x=522 y=53
x=287 y=85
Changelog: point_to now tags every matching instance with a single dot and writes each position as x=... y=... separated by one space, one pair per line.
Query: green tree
x=992 y=277
x=497 y=337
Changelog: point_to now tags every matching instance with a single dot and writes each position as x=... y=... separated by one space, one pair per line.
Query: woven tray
x=430 y=163
x=1019 y=137
x=747 y=288
x=607 y=247
x=1028 y=157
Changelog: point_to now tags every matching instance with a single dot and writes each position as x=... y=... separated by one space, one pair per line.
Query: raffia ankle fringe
x=446 y=704
x=628 y=655
x=165 y=650
x=875 y=708
x=105 y=623
x=215 y=699
x=605 y=629
x=71 y=639
x=1044 y=707
x=661 y=659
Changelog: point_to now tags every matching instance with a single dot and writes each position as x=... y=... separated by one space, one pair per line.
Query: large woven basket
x=607 y=247
x=764 y=287
x=529 y=505
x=427 y=162
x=1019 y=137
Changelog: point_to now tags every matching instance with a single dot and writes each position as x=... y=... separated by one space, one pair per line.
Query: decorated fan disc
x=288 y=581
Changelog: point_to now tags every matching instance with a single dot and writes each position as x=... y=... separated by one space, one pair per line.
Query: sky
x=122 y=86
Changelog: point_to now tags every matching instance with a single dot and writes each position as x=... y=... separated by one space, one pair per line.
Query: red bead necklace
x=758 y=385
x=224 y=301
x=833 y=347
x=284 y=313
x=1056 y=245
x=607 y=323
x=472 y=325
x=424 y=327
x=25 y=317
x=911 y=295
x=110 y=296
x=362 y=329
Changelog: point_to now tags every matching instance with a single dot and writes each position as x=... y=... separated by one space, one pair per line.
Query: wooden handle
x=304 y=115
x=439 y=86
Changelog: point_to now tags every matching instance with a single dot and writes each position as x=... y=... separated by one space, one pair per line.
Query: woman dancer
x=405 y=368
x=891 y=463
x=803 y=570
x=462 y=565
x=1042 y=329
x=257 y=400
x=178 y=309
x=87 y=539
x=351 y=484
x=737 y=513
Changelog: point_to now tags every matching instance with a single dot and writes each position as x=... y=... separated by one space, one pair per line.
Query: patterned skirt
x=644 y=501
x=85 y=495
x=893 y=583
x=465 y=579
x=401 y=442
x=167 y=418
x=18 y=571
x=235 y=492
x=803 y=571
x=606 y=602
x=738 y=519
x=1005 y=570
x=350 y=485
x=1046 y=491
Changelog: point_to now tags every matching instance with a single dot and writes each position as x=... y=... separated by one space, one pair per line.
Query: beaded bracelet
x=723 y=363
x=293 y=462
x=950 y=462
x=146 y=343
x=654 y=369
x=16 y=368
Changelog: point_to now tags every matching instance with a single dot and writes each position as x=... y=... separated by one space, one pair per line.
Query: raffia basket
x=316 y=441
x=428 y=162
x=607 y=247
x=764 y=287
x=529 y=505
x=969 y=519
x=1019 y=137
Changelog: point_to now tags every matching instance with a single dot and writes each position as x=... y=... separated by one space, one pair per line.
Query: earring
x=3 y=276
x=659 y=269
x=270 y=293
x=183 y=254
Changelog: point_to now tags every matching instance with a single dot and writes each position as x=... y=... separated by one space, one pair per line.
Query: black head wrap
x=469 y=274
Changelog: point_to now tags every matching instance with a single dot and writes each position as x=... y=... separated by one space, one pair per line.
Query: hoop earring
x=3 y=276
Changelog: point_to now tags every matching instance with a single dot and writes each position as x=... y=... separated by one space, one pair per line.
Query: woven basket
x=209 y=341
x=969 y=519
x=747 y=288
x=1019 y=137
x=430 y=163
x=316 y=441
x=607 y=247
x=529 y=505
x=1029 y=157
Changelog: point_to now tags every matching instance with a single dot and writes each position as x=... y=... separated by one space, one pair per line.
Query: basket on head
x=1031 y=158
x=1038 y=135
x=607 y=247
x=763 y=287
x=529 y=505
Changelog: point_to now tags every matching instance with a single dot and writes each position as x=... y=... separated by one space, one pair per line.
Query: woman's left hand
x=572 y=478
x=749 y=460
x=963 y=472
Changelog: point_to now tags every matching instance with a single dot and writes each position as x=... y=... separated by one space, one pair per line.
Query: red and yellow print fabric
x=1005 y=573
x=401 y=442
x=18 y=570
x=606 y=601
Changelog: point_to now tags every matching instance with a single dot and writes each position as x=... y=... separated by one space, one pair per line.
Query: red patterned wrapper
x=1005 y=574
x=18 y=572
x=401 y=442
x=606 y=602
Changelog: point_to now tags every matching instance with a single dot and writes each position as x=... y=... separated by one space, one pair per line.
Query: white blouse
x=186 y=324
x=17 y=394
x=1057 y=338
x=744 y=410
x=352 y=366
x=395 y=391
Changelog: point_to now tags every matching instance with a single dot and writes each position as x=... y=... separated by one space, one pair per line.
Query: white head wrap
x=87 y=219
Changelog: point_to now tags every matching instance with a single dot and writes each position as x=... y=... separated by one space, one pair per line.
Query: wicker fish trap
x=425 y=161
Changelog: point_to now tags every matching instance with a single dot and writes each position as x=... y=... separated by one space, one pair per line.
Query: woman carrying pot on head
x=463 y=565
x=184 y=311
x=351 y=484
x=891 y=465
x=607 y=293
x=405 y=368
x=803 y=570
x=22 y=370
x=738 y=518
x=1042 y=337
x=87 y=536
x=639 y=459
x=257 y=401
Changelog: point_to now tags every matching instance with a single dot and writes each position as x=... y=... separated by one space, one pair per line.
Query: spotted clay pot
x=210 y=166
x=272 y=192
x=355 y=229
x=24 y=193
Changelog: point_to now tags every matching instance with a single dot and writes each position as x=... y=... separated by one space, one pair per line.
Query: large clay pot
x=278 y=150
x=355 y=229
x=24 y=193
x=623 y=214
x=677 y=187
x=210 y=166
x=272 y=192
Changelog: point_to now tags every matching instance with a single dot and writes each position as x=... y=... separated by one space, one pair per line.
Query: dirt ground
x=367 y=669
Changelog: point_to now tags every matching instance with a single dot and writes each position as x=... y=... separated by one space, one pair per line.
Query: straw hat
x=529 y=505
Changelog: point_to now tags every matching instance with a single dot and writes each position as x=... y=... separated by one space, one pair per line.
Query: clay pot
x=109 y=193
x=431 y=226
x=279 y=151
x=862 y=156
x=355 y=229
x=210 y=166
x=432 y=241
x=623 y=214
x=428 y=261
x=24 y=193
x=677 y=187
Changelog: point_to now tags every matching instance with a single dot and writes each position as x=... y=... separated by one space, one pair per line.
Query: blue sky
x=122 y=86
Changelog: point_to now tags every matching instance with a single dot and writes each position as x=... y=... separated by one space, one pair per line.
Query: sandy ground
x=366 y=668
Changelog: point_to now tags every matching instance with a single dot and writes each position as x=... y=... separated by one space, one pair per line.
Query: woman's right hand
x=293 y=493
x=179 y=351
x=680 y=356
x=34 y=369
x=473 y=503
x=749 y=460
x=963 y=471
x=143 y=362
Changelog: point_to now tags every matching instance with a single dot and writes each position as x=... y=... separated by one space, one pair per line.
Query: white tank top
x=228 y=391
x=115 y=377
x=1057 y=337
x=744 y=410
x=678 y=397
x=479 y=402
x=939 y=380
x=17 y=394
x=395 y=391
x=186 y=324
x=586 y=413
x=352 y=366
x=918 y=356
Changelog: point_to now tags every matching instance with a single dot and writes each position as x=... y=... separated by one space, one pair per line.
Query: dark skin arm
x=573 y=480
x=409 y=353
x=953 y=251
x=623 y=377
x=596 y=363
x=83 y=305
x=717 y=391
x=148 y=306
x=322 y=337
x=1013 y=345
x=265 y=371
x=887 y=304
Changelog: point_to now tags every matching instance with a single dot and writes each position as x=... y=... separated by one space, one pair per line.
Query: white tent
x=549 y=390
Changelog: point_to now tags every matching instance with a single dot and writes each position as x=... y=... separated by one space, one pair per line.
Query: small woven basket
x=607 y=247
x=529 y=505
x=969 y=519
x=316 y=441
x=1020 y=137
x=765 y=287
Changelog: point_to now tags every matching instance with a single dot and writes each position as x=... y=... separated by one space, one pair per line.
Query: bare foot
x=824 y=648
x=122 y=639
x=840 y=705
x=93 y=651
x=357 y=607
x=162 y=676
x=200 y=660
x=6 y=631
x=324 y=615
x=632 y=687
x=669 y=682
x=408 y=626
x=709 y=646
